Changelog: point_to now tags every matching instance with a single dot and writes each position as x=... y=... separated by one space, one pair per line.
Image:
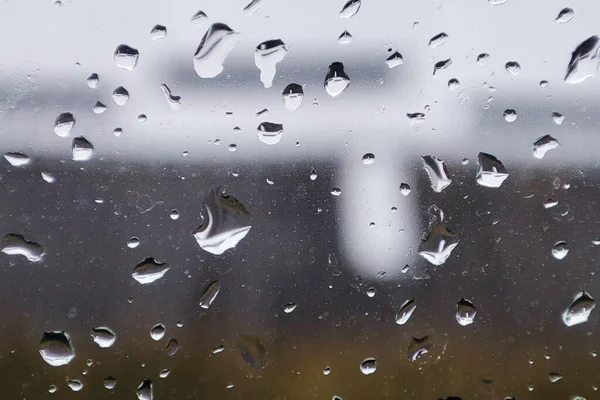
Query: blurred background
x=327 y=254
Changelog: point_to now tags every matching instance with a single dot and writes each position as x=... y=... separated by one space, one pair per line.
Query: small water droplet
x=16 y=245
x=405 y=189
x=144 y=390
x=513 y=67
x=120 y=96
x=199 y=17
x=133 y=242
x=405 y=312
x=438 y=40
x=419 y=347
x=266 y=56
x=544 y=84
x=345 y=38
x=56 y=348
x=490 y=171
x=560 y=250
x=440 y=65
x=313 y=174
x=104 y=337
x=48 y=177
x=453 y=84
x=368 y=366
x=544 y=145
x=110 y=382
x=52 y=389
x=174 y=215
x=82 y=149
x=336 y=191
x=483 y=58
x=148 y=271
x=216 y=44
x=290 y=307
x=558 y=118
x=327 y=371
x=173 y=101
x=163 y=373
x=336 y=80
x=394 y=60
x=218 y=349
x=549 y=203
x=126 y=57
x=465 y=312
x=438 y=173
x=510 y=115
x=440 y=241
x=253 y=6
x=232 y=147
x=210 y=294
x=75 y=384
x=579 y=310
x=368 y=159
x=117 y=132
x=371 y=292
x=565 y=15
x=172 y=347
x=142 y=118
x=584 y=61
x=293 y=94
x=157 y=332
x=158 y=32
x=93 y=80
x=63 y=124
x=350 y=9
x=99 y=107
x=416 y=118
x=269 y=132
x=554 y=377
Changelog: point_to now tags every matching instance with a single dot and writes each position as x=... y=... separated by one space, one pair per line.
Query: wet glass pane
x=299 y=200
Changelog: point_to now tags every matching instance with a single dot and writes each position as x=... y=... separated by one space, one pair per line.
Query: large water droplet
x=544 y=145
x=144 y=390
x=75 y=384
x=173 y=101
x=465 y=312
x=440 y=241
x=157 y=332
x=120 y=96
x=560 y=250
x=565 y=15
x=110 y=382
x=336 y=80
x=126 y=57
x=438 y=40
x=440 y=65
x=579 y=310
x=513 y=67
x=148 y=271
x=93 y=80
x=405 y=312
x=419 y=347
x=210 y=294
x=437 y=172
x=225 y=221
x=104 y=337
x=345 y=38
x=158 y=32
x=269 y=132
x=64 y=124
x=82 y=149
x=490 y=171
x=216 y=44
x=368 y=366
x=350 y=8
x=16 y=245
x=584 y=61
x=172 y=347
x=56 y=348
x=394 y=60
x=17 y=159
x=293 y=94
x=266 y=56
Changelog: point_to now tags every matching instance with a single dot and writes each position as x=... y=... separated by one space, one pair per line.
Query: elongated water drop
x=289 y=308
x=216 y=44
x=173 y=101
x=75 y=384
x=579 y=310
x=17 y=159
x=126 y=57
x=565 y=15
x=438 y=173
x=584 y=62
x=16 y=245
x=266 y=56
x=149 y=271
x=144 y=390
x=172 y=347
x=210 y=294
x=63 y=124
x=490 y=171
x=199 y=17
x=465 y=312
x=440 y=241
x=438 y=40
x=350 y=8
x=56 y=348
x=419 y=347
x=544 y=145
x=104 y=337
x=405 y=312
x=440 y=65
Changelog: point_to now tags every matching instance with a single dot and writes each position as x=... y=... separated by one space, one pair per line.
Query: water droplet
x=497 y=2
x=17 y=159
x=579 y=310
x=56 y=348
x=232 y=147
x=173 y=101
x=465 y=312
x=266 y=56
x=269 y=132
x=371 y=292
x=148 y=271
x=442 y=65
x=438 y=40
x=440 y=241
x=82 y=149
x=565 y=15
x=437 y=172
x=133 y=242
x=405 y=189
x=419 y=347
x=253 y=6
x=510 y=115
x=163 y=373
x=544 y=145
x=75 y=384
x=345 y=38
x=174 y=215
x=290 y=307
x=415 y=118
x=560 y=250
x=172 y=347
x=336 y=191
x=513 y=67
x=210 y=294
x=368 y=366
x=16 y=245
x=549 y=203
x=405 y=312
x=144 y=390
x=490 y=171
x=93 y=80
x=225 y=222
x=368 y=159
x=199 y=17
x=264 y=111
x=158 y=32
x=110 y=382
x=142 y=118
x=99 y=107
x=52 y=389
x=126 y=57
x=336 y=80
x=64 y=124
x=216 y=44
x=48 y=177
x=558 y=118
x=544 y=84
x=157 y=332
x=327 y=371
x=293 y=94
x=584 y=61
x=350 y=8
x=218 y=349
x=483 y=58
x=554 y=377
x=394 y=60
x=117 y=132
x=104 y=337
x=120 y=96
